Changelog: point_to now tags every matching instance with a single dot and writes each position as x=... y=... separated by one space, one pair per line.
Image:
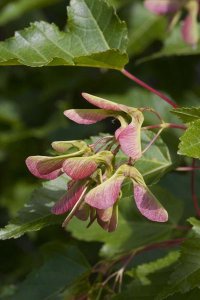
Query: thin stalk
x=152 y=127
x=150 y=109
x=153 y=140
x=149 y=88
x=165 y=125
x=178 y=126
x=76 y=206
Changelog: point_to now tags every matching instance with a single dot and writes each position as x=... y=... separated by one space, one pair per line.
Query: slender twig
x=150 y=109
x=194 y=196
x=149 y=88
x=74 y=209
x=165 y=125
x=121 y=271
x=153 y=140
x=152 y=127
x=177 y=126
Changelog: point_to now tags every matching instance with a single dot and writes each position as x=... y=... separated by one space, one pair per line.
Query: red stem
x=165 y=125
x=194 y=196
x=174 y=105
x=149 y=88
x=178 y=126
x=165 y=244
x=152 y=141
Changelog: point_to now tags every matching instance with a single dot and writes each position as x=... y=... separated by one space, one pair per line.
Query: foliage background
x=32 y=101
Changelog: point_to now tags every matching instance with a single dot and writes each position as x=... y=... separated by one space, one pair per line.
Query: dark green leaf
x=36 y=214
x=53 y=276
x=96 y=37
x=186 y=275
x=137 y=291
x=143 y=271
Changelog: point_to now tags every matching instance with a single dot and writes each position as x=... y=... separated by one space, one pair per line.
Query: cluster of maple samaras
x=173 y=9
x=95 y=186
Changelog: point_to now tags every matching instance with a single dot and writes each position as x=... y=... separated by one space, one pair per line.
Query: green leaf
x=137 y=291
x=16 y=9
x=190 y=141
x=95 y=37
x=174 y=46
x=120 y=3
x=53 y=276
x=144 y=28
x=186 y=275
x=143 y=271
x=156 y=161
x=127 y=236
x=36 y=214
x=187 y=114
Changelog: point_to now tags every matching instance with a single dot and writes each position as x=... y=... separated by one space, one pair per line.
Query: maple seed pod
x=128 y=135
x=163 y=7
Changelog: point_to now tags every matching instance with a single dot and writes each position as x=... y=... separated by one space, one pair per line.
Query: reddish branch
x=165 y=125
x=149 y=88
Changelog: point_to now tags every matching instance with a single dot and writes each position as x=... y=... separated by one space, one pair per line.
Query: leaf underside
x=95 y=37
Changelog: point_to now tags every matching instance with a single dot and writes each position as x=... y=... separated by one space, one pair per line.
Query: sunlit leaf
x=190 y=141
x=95 y=37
